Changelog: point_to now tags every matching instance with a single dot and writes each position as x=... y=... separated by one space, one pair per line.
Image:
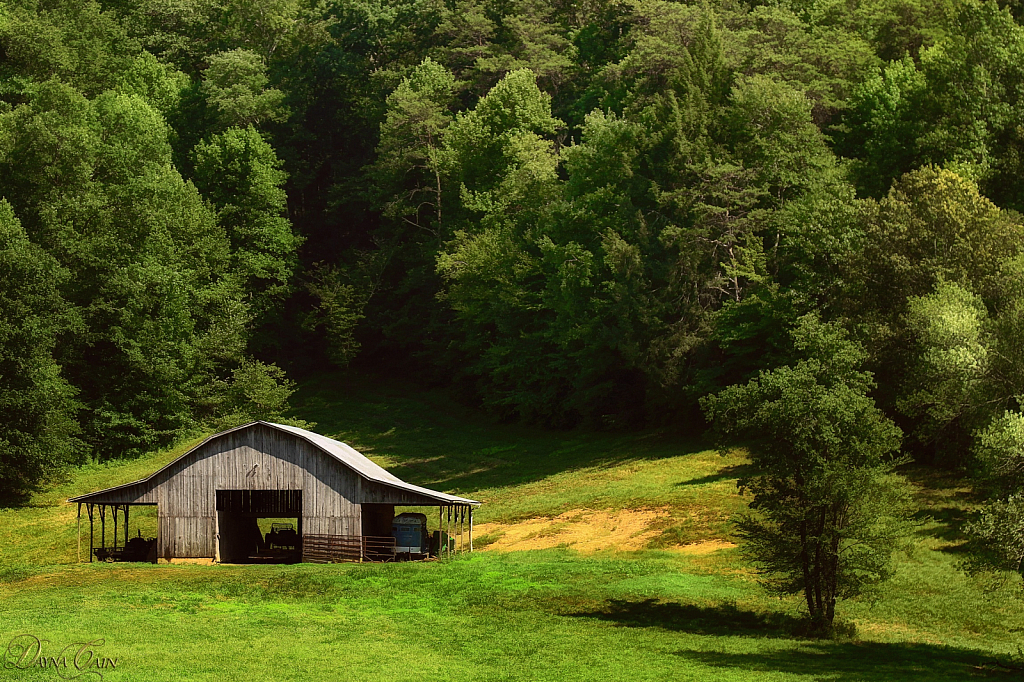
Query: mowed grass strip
x=548 y=615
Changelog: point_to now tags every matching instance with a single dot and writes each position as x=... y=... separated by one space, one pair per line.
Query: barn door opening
x=259 y=526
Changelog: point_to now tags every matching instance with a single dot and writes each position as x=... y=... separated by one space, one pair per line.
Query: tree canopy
x=571 y=214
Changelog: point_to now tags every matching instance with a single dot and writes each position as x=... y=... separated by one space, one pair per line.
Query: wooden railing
x=326 y=549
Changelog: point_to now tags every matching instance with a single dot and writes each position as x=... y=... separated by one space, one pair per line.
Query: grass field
x=605 y=557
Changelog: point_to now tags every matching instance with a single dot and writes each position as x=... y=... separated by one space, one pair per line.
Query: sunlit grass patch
x=607 y=556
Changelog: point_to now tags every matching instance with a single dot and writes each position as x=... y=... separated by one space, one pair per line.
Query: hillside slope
x=603 y=552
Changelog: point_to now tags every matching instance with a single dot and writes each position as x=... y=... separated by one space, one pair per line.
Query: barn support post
x=103 y=526
x=91 y=530
x=471 y=529
x=79 y=532
x=116 y=507
x=126 y=507
x=440 y=528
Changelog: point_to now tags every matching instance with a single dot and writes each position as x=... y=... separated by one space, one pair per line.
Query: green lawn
x=552 y=614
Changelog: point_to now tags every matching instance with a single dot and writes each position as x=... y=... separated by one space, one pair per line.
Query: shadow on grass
x=837 y=661
x=862 y=662
x=436 y=442
x=14 y=500
x=945 y=502
x=949 y=523
x=723 y=474
x=724 y=619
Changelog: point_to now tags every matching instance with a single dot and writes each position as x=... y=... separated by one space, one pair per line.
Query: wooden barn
x=210 y=499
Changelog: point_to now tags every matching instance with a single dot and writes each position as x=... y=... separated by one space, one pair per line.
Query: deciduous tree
x=38 y=429
x=827 y=510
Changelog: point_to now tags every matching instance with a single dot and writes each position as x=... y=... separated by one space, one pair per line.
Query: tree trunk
x=805 y=561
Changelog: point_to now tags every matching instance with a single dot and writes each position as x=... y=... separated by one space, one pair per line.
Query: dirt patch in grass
x=585 y=530
x=701 y=548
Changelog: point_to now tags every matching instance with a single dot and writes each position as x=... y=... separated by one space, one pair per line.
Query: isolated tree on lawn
x=828 y=512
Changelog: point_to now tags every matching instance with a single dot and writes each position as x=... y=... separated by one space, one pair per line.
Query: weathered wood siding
x=261 y=457
x=255 y=458
x=137 y=493
x=381 y=493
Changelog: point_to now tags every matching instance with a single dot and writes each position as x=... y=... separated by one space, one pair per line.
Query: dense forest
x=591 y=213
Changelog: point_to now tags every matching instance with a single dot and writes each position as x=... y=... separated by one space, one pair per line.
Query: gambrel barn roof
x=337 y=450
